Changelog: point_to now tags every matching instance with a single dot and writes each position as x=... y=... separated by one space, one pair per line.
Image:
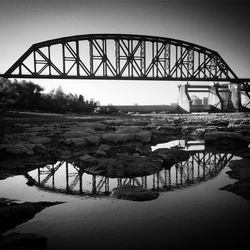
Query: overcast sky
x=222 y=26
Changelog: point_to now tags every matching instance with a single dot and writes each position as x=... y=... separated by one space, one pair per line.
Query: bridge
x=130 y=57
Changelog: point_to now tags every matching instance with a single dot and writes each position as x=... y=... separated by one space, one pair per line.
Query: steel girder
x=120 y=56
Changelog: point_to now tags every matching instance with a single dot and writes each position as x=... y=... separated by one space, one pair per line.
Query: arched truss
x=120 y=56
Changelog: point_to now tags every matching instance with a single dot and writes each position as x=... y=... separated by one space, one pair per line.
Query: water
x=191 y=212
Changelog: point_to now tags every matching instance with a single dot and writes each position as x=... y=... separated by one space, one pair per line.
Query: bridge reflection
x=65 y=177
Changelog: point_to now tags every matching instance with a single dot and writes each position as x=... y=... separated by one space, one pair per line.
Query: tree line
x=26 y=95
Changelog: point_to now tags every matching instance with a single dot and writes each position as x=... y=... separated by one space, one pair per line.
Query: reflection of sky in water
x=182 y=144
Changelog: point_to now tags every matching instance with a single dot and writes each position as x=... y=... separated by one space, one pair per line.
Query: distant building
x=174 y=104
x=205 y=101
x=196 y=100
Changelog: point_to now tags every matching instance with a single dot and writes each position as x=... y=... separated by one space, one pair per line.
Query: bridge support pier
x=214 y=97
x=184 y=100
x=245 y=99
x=235 y=96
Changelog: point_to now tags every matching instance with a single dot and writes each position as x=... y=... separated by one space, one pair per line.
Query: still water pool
x=190 y=213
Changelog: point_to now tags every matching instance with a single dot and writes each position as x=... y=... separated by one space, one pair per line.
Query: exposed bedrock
x=125 y=166
x=225 y=140
x=240 y=170
x=129 y=192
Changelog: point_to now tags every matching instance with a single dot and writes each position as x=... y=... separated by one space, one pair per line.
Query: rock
x=125 y=148
x=16 y=241
x=143 y=136
x=20 y=148
x=199 y=133
x=12 y=214
x=117 y=138
x=76 y=141
x=39 y=149
x=93 y=139
x=165 y=133
x=240 y=171
x=76 y=132
x=102 y=150
x=127 y=130
x=133 y=193
x=63 y=153
x=171 y=156
x=240 y=188
x=98 y=126
x=126 y=166
x=38 y=139
x=218 y=123
x=225 y=140
x=124 y=134
x=86 y=161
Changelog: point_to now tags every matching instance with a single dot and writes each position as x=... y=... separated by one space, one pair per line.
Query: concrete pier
x=184 y=100
x=214 y=97
x=235 y=96
x=221 y=97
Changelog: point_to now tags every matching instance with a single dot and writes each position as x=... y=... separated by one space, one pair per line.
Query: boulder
x=143 y=136
x=124 y=134
x=102 y=150
x=240 y=170
x=19 y=148
x=171 y=156
x=165 y=133
x=86 y=161
x=111 y=150
x=225 y=140
x=93 y=139
x=134 y=193
x=39 y=139
x=126 y=166
x=76 y=132
x=117 y=138
x=12 y=214
x=76 y=141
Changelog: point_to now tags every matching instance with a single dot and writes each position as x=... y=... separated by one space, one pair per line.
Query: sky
x=222 y=26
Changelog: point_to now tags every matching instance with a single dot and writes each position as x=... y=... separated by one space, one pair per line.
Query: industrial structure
x=137 y=57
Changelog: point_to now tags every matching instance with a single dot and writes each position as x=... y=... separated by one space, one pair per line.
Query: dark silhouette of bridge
x=129 y=57
x=121 y=56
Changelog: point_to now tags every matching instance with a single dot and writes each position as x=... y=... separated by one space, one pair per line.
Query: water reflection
x=66 y=177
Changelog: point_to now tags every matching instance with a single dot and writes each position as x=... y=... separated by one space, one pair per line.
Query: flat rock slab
x=126 y=166
x=240 y=170
x=225 y=140
x=134 y=193
x=171 y=156
x=13 y=214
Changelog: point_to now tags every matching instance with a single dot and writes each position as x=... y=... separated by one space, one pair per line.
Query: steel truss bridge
x=122 y=57
x=64 y=177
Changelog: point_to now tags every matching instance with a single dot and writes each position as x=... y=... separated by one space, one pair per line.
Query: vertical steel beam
x=63 y=58
x=77 y=58
x=91 y=57
x=49 y=61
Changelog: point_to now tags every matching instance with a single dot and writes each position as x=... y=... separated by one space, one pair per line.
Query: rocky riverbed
x=114 y=147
